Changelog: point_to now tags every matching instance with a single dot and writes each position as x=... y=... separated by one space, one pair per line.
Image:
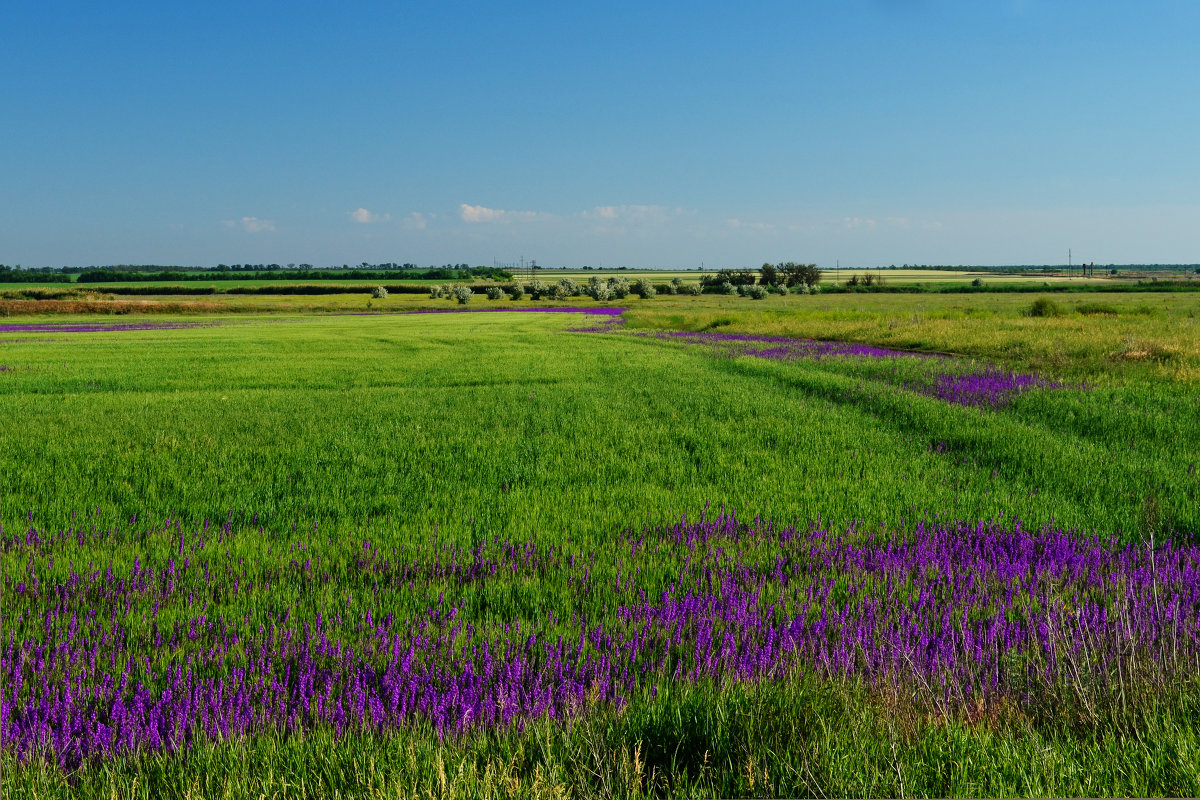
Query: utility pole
x=1068 y=263
x=837 y=271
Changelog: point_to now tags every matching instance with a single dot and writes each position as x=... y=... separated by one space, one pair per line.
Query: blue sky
x=640 y=134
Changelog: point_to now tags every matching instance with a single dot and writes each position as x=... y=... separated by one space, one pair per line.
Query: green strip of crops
x=508 y=425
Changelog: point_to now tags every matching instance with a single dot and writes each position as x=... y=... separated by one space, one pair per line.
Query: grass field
x=463 y=554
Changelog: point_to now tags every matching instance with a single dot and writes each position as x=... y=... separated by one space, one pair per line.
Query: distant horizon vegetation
x=110 y=272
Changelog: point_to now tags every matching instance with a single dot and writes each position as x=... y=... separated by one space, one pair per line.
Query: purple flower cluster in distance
x=991 y=387
x=593 y=310
x=96 y=327
x=191 y=640
x=780 y=348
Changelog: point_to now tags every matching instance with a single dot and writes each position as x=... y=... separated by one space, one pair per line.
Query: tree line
x=789 y=274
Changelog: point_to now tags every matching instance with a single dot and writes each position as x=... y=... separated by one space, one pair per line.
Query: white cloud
x=363 y=216
x=251 y=224
x=471 y=213
x=632 y=213
x=416 y=221
x=851 y=223
x=738 y=224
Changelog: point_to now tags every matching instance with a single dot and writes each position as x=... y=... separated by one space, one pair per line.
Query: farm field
x=871 y=545
x=896 y=277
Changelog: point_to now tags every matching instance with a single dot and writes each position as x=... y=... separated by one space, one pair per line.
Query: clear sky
x=618 y=133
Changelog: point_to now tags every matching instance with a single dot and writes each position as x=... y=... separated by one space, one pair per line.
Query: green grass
x=445 y=419
x=797 y=739
x=407 y=429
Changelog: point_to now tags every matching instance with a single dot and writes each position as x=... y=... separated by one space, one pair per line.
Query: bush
x=977 y=283
x=538 y=290
x=756 y=292
x=516 y=292
x=725 y=287
x=566 y=288
x=1044 y=307
x=494 y=293
x=643 y=288
x=435 y=292
x=447 y=291
x=379 y=293
x=598 y=289
x=781 y=289
x=462 y=294
x=677 y=282
x=694 y=289
x=619 y=287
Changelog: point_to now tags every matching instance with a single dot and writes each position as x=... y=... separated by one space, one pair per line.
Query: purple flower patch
x=781 y=348
x=97 y=327
x=992 y=387
x=593 y=310
x=989 y=387
x=114 y=660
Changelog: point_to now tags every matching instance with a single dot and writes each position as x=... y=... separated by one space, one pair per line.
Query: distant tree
x=768 y=275
x=799 y=274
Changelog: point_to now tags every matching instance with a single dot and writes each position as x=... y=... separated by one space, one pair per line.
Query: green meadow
x=455 y=429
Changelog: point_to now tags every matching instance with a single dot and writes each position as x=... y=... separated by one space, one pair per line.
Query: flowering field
x=525 y=555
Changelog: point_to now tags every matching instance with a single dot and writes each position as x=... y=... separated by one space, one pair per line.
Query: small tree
x=643 y=288
x=768 y=275
x=516 y=292
x=598 y=289
x=619 y=287
x=494 y=293
x=463 y=294
x=379 y=293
